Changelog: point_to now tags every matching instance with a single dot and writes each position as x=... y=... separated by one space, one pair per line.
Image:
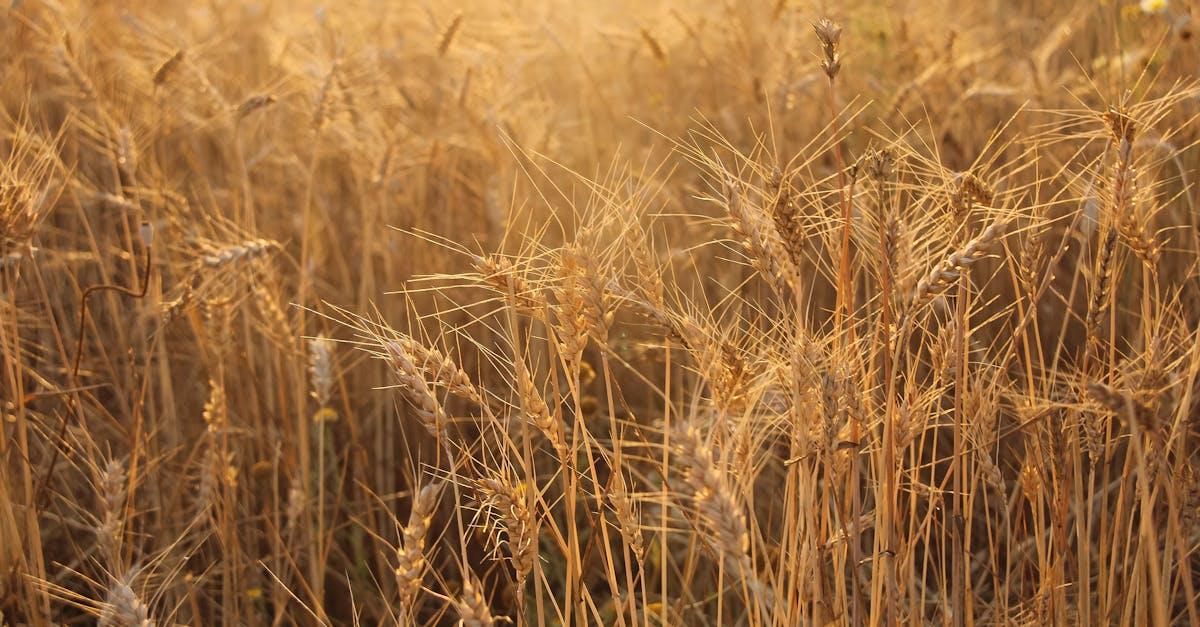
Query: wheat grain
x=410 y=554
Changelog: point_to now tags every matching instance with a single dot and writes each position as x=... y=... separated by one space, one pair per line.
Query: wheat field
x=625 y=312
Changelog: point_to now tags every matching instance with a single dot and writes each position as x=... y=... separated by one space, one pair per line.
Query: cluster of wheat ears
x=622 y=313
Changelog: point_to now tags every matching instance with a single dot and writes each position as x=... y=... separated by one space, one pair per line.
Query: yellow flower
x=1153 y=6
x=325 y=414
